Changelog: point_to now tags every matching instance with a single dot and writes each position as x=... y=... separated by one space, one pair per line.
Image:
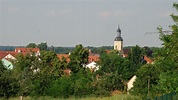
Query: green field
x=115 y=97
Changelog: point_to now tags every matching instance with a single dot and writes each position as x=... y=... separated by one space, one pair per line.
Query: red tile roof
x=148 y=60
x=93 y=58
x=126 y=51
x=60 y=56
x=27 y=50
x=108 y=51
x=67 y=72
x=5 y=53
x=17 y=51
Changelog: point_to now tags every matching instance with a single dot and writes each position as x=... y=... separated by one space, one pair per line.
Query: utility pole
x=148 y=95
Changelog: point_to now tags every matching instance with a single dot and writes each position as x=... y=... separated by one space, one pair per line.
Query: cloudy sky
x=87 y=22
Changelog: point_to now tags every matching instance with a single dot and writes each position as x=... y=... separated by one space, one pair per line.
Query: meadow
x=115 y=97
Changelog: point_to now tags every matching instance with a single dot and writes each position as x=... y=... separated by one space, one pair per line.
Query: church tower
x=118 y=42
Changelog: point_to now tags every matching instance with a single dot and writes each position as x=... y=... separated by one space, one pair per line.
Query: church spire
x=118 y=37
x=119 y=31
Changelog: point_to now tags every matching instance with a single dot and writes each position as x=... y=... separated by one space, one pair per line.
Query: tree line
x=66 y=50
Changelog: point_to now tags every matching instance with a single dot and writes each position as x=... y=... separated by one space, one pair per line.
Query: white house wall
x=130 y=83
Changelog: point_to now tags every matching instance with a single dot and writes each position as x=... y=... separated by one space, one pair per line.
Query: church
x=118 y=42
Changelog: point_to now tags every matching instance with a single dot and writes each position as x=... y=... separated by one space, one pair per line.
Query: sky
x=88 y=22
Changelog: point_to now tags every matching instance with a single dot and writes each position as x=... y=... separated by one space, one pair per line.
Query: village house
x=7 y=63
x=92 y=66
x=66 y=56
x=8 y=56
x=28 y=51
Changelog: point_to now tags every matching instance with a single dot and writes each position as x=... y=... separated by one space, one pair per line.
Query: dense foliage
x=44 y=75
x=161 y=77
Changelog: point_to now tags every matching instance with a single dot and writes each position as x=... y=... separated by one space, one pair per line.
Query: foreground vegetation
x=115 y=97
x=44 y=75
x=161 y=77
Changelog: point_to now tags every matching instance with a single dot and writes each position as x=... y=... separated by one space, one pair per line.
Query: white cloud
x=13 y=9
x=119 y=13
x=53 y=13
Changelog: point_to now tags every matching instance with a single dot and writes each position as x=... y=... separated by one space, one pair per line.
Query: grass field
x=115 y=97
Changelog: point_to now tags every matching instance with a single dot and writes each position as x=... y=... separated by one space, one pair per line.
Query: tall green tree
x=62 y=87
x=50 y=63
x=78 y=84
x=115 y=71
x=83 y=83
x=8 y=84
x=109 y=62
x=136 y=56
x=35 y=74
x=146 y=82
x=42 y=46
x=49 y=70
x=31 y=45
x=160 y=78
x=168 y=60
x=78 y=58
x=23 y=72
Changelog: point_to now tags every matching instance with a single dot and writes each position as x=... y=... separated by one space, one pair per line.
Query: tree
x=62 y=87
x=2 y=68
x=23 y=72
x=50 y=63
x=65 y=50
x=136 y=56
x=35 y=74
x=167 y=60
x=8 y=85
x=63 y=63
x=160 y=78
x=100 y=50
x=148 y=51
x=77 y=84
x=78 y=58
x=146 y=82
x=175 y=17
x=43 y=46
x=115 y=71
x=49 y=71
x=31 y=45
x=82 y=86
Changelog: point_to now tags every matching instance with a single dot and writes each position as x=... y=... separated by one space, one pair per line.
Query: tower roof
x=118 y=37
x=119 y=30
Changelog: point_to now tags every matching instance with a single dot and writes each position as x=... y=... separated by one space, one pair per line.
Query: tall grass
x=115 y=97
